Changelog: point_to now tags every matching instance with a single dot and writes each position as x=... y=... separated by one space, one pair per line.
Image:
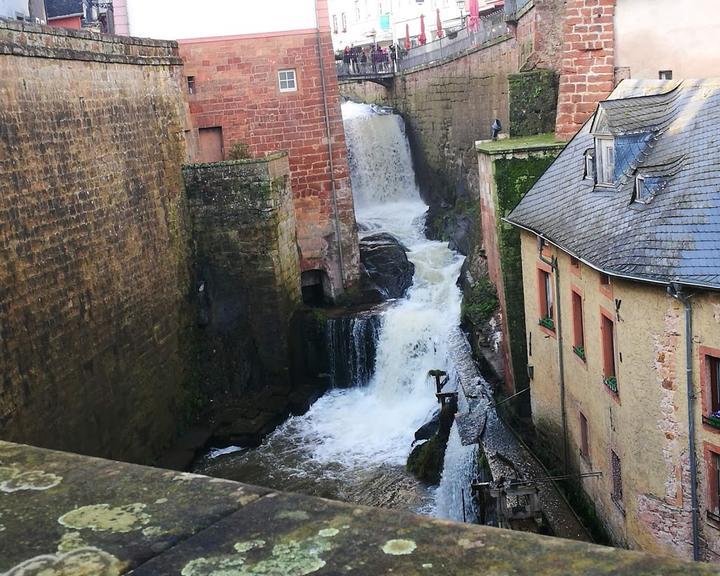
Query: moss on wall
x=533 y=102
x=479 y=302
x=513 y=178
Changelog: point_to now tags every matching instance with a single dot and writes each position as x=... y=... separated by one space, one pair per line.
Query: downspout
x=553 y=263
x=328 y=133
x=676 y=291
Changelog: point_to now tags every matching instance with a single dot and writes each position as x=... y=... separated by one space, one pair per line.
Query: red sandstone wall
x=71 y=22
x=237 y=88
x=587 y=75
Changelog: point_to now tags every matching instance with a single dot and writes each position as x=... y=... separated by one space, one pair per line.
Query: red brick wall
x=236 y=88
x=72 y=22
x=588 y=62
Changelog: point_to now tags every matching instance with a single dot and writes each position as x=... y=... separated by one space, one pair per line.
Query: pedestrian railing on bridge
x=490 y=27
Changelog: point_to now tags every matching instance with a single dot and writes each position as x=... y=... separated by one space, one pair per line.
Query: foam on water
x=373 y=426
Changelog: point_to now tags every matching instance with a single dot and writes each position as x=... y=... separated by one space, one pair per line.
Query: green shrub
x=239 y=151
x=480 y=302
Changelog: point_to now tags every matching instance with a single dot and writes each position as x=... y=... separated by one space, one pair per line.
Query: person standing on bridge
x=363 y=60
x=393 y=56
x=354 y=60
x=346 y=60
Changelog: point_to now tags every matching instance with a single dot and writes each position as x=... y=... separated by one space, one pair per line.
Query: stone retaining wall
x=93 y=260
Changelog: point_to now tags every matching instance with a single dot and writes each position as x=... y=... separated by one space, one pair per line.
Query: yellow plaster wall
x=646 y=424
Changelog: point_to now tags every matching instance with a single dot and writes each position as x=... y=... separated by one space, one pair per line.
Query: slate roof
x=668 y=132
x=61 y=8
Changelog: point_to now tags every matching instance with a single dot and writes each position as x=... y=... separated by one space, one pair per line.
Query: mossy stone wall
x=533 y=102
x=513 y=178
x=247 y=272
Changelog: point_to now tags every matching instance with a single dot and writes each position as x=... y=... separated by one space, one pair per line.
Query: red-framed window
x=712 y=467
x=607 y=331
x=608 y=338
x=578 y=325
x=576 y=266
x=710 y=386
x=606 y=285
x=546 y=298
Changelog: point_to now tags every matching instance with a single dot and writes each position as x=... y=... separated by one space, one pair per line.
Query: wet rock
x=429 y=429
x=461 y=235
x=426 y=460
x=386 y=271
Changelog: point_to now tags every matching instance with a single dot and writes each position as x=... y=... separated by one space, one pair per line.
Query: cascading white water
x=351 y=432
x=453 y=500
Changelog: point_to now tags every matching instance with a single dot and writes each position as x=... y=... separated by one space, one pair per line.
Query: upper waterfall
x=379 y=155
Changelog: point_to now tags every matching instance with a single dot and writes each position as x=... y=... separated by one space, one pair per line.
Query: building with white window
x=621 y=277
x=361 y=22
x=261 y=78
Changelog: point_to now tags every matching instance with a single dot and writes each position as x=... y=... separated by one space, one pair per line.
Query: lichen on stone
x=399 y=547
x=83 y=562
x=291 y=558
x=104 y=518
x=13 y=480
x=242 y=547
x=292 y=515
x=71 y=541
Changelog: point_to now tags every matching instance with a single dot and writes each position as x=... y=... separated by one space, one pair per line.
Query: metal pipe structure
x=553 y=263
x=676 y=291
x=328 y=132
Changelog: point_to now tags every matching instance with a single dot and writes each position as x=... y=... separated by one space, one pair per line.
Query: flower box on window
x=580 y=351
x=611 y=383
x=712 y=420
x=547 y=323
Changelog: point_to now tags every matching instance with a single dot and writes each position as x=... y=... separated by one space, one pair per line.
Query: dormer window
x=642 y=194
x=589 y=173
x=605 y=161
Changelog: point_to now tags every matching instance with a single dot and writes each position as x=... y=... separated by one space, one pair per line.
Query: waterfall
x=363 y=428
x=379 y=156
x=453 y=498
x=351 y=344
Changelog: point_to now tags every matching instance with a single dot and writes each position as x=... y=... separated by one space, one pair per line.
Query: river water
x=353 y=442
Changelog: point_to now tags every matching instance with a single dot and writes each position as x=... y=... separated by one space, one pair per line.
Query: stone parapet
x=34 y=40
x=67 y=514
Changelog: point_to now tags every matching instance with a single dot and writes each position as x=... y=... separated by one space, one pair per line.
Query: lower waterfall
x=353 y=443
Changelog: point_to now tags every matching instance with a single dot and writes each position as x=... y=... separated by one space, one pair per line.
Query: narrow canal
x=354 y=442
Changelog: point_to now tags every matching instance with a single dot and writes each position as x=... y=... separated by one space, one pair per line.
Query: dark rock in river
x=429 y=429
x=386 y=271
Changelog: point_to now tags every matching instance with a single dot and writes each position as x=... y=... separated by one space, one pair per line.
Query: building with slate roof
x=65 y=13
x=621 y=279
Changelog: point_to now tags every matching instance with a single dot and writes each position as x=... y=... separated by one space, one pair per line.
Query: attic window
x=665 y=74
x=589 y=173
x=605 y=164
x=642 y=194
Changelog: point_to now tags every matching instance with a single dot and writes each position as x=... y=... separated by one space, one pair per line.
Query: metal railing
x=514 y=7
x=381 y=70
x=490 y=27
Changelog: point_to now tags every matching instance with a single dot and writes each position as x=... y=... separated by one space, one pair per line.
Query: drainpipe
x=553 y=263
x=328 y=133
x=676 y=291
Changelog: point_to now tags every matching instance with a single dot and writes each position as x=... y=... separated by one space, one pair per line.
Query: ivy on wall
x=513 y=178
